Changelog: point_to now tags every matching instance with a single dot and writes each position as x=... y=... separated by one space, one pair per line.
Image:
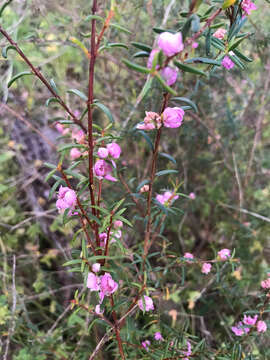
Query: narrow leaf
x=136 y=67
x=189 y=69
x=106 y=110
x=78 y=93
x=141 y=46
x=17 y=76
x=187 y=101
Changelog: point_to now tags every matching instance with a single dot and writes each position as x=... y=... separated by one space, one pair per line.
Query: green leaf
x=6 y=49
x=4 y=6
x=147 y=138
x=237 y=61
x=78 y=93
x=166 y=172
x=187 y=101
x=164 y=84
x=53 y=85
x=160 y=30
x=236 y=43
x=202 y=60
x=218 y=44
x=50 y=174
x=124 y=220
x=105 y=110
x=140 y=54
x=72 y=262
x=17 y=76
x=95 y=17
x=120 y=28
x=136 y=67
x=51 y=100
x=242 y=56
x=121 y=45
x=70 y=146
x=167 y=156
x=189 y=69
x=141 y=46
x=195 y=23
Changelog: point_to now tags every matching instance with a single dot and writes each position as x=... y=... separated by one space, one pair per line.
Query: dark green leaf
x=141 y=46
x=17 y=76
x=6 y=49
x=147 y=138
x=78 y=93
x=167 y=156
x=51 y=100
x=140 y=54
x=4 y=6
x=136 y=67
x=120 y=28
x=189 y=69
x=166 y=172
x=187 y=101
x=164 y=84
x=121 y=45
x=106 y=110
x=53 y=85
x=203 y=60
x=242 y=56
x=96 y=17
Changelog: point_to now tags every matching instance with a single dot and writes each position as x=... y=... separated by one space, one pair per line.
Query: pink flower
x=249 y=320
x=158 y=336
x=78 y=135
x=148 y=304
x=224 y=254
x=118 y=223
x=166 y=198
x=206 y=268
x=265 y=284
x=169 y=75
x=188 y=255
x=103 y=152
x=75 y=154
x=194 y=45
x=248 y=6
x=107 y=286
x=220 y=33
x=98 y=310
x=240 y=330
x=103 y=170
x=151 y=58
x=150 y=122
x=146 y=344
x=261 y=326
x=227 y=62
x=188 y=352
x=103 y=239
x=96 y=267
x=66 y=199
x=192 y=196
x=93 y=282
x=114 y=150
x=170 y=44
x=60 y=128
x=173 y=117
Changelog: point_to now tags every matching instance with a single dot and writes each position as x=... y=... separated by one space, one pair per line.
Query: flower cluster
x=116 y=233
x=227 y=62
x=167 y=198
x=67 y=199
x=102 y=168
x=146 y=303
x=243 y=327
x=248 y=6
x=220 y=33
x=265 y=284
x=104 y=284
x=170 y=118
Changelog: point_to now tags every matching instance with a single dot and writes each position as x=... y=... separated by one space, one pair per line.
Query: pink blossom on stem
x=224 y=254
x=239 y=329
x=169 y=75
x=248 y=6
x=265 y=284
x=158 y=336
x=249 y=320
x=114 y=150
x=96 y=267
x=60 y=128
x=261 y=326
x=188 y=352
x=167 y=197
x=98 y=310
x=206 y=268
x=192 y=196
x=93 y=282
x=75 y=154
x=188 y=255
x=194 y=45
x=118 y=223
x=103 y=152
x=147 y=305
x=150 y=122
x=220 y=33
x=103 y=239
x=107 y=285
x=151 y=58
x=173 y=117
x=227 y=62
x=170 y=44
x=67 y=199
x=103 y=170
x=146 y=344
x=78 y=135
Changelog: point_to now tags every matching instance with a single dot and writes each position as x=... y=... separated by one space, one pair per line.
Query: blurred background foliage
x=222 y=154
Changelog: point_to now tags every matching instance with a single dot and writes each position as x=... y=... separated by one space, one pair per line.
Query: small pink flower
x=118 y=223
x=248 y=6
x=114 y=150
x=239 y=329
x=107 y=286
x=150 y=122
x=148 y=304
x=98 y=310
x=146 y=344
x=103 y=170
x=151 y=58
x=170 y=44
x=192 y=196
x=206 y=268
x=224 y=254
x=158 y=336
x=173 y=117
x=188 y=255
x=103 y=239
x=265 y=284
x=78 y=135
x=166 y=198
x=188 y=352
x=220 y=33
x=249 y=320
x=227 y=62
x=96 y=267
x=194 y=45
x=75 y=154
x=93 y=282
x=67 y=199
x=261 y=326
x=60 y=128
x=169 y=75
x=103 y=152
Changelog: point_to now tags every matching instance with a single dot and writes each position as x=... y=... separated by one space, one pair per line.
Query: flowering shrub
x=123 y=256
